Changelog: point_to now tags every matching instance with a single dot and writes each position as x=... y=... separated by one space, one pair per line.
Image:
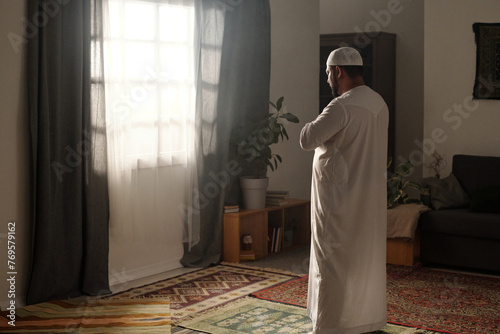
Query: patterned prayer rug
x=459 y=303
x=207 y=288
x=90 y=316
x=420 y=297
x=293 y=292
x=251 y=315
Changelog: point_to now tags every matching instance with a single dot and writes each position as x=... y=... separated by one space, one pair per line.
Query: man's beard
x=335 y=88
x=334 y=92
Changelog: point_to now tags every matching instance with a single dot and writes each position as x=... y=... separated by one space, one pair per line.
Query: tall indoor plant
x=254 y=146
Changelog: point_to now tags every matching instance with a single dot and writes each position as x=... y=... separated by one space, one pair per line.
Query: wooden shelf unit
x=257 y=222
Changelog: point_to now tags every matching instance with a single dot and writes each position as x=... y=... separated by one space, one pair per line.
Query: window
x=150 y=80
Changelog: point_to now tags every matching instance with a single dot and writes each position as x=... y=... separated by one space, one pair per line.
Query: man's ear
x=338 y=71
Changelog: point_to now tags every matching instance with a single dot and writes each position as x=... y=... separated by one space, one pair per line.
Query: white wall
x=294 y=75
x=405 y=19
x=450 y=62
x=14 y=152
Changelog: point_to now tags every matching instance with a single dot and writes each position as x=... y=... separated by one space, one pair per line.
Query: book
x=231 y=208
x=276 y=241
x=269 y=239
x=276 y=197
x=276 y=201
x=278 y=192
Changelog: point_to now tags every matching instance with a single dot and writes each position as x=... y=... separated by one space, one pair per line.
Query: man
x=347 y=273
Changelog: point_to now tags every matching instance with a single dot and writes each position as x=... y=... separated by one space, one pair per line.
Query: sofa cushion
x=476 y=172
x=446 y=193
x=486 y=200
x=461 y=222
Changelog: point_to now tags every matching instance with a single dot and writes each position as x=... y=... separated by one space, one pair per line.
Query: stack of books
x=274 y=236
x=277 y=197
x=231 y=208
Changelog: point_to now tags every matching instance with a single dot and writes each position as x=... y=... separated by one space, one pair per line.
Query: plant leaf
x=277 y=127
x=280 y=102
x=393 y=184
x=254 y=152
x=404 y=168
x=394 y=197
x=268 y=163
x=243 y=149
x=286 y=134
x=414 y=185
x=265 y=136
x=290 y=117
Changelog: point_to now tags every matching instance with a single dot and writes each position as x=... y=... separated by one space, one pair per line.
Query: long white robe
x=347 y=273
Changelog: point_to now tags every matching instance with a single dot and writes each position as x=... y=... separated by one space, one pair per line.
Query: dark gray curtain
x=242 y=95
x=69 y=182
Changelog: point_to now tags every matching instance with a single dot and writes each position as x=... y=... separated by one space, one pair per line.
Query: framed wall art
x=487 y=81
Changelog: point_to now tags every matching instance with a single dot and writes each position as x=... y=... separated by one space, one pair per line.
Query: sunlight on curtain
x=150 y=103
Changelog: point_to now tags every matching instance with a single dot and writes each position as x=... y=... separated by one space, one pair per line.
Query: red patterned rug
x=419 y=297
x=293 y=292
x=208 y=288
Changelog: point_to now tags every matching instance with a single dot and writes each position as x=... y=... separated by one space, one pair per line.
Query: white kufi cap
x=344 y=56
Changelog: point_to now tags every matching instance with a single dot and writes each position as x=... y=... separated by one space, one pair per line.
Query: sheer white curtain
x=150 y=105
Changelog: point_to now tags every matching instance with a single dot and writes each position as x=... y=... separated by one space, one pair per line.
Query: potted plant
x=254 y=146
x=438 y=162
x=397 y=185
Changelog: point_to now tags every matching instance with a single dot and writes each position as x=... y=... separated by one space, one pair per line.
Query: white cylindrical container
x=254 y=192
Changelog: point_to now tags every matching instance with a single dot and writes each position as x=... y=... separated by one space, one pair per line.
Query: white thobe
x=347 y=273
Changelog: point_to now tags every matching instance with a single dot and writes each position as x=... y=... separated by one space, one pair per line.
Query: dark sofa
x=458 y=237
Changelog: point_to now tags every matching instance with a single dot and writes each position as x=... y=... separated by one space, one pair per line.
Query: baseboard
x=124 y=278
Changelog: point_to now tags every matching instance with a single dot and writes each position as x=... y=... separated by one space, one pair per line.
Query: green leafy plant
x=255 y=144
x=397 y=184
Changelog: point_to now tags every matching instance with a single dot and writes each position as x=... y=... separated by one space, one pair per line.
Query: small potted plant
x=254 y=146
x=438 y=162
x=397 y=185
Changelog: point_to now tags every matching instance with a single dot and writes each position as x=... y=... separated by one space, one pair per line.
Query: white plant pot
x=254 y=192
